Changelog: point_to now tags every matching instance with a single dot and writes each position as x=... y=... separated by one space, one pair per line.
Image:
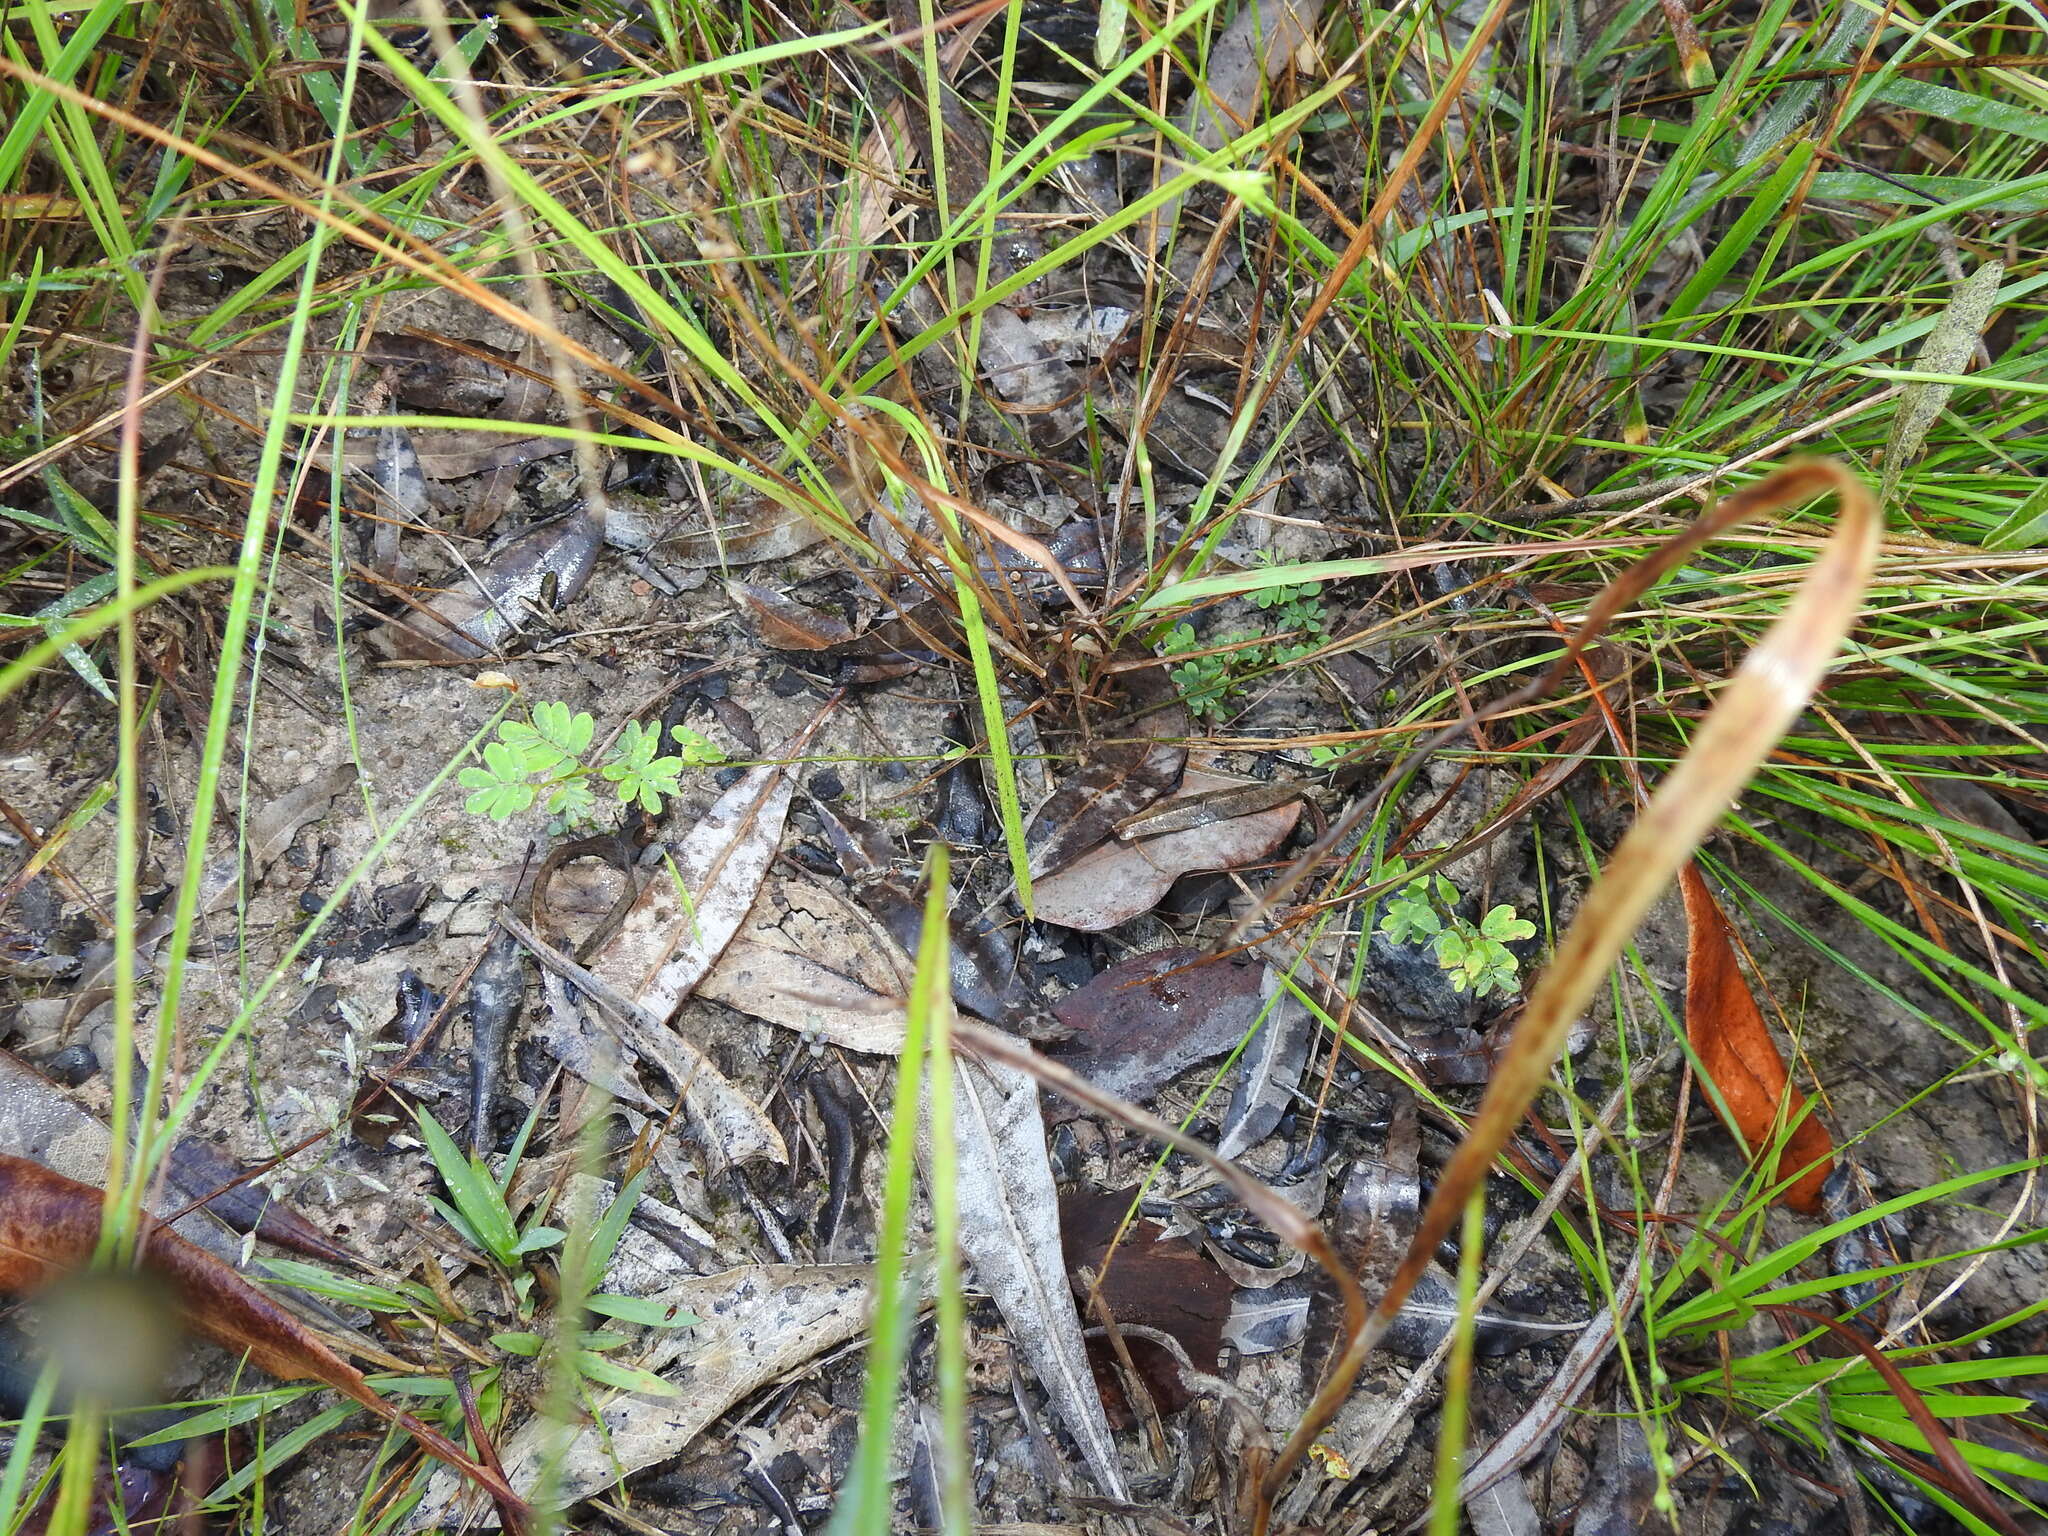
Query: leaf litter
x=50 y=1227
x=805 y=956
x=754 y=1325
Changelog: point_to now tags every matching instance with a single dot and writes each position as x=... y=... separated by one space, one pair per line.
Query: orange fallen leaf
x=49 y=1227
x=1736 y=1052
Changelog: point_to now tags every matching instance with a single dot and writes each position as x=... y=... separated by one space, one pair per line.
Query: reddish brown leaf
x=1150 y=1280
x=786 y=624
x=49 y=1227
x=1736 y=1052
x=1148 y=1018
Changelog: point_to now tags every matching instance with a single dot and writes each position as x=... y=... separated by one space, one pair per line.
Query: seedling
x=1209 y=684
x=1425 y=911
x=484 y=1219
x=548 y=759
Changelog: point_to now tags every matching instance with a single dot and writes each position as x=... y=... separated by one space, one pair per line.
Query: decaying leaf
x=274 y=827
x=42 y=1123
x=1150 y=1279
x=50 y=1227
x=753 y=526
x=1753 y=1092
x=698 y=898
x=1618 y=1496
x=755 y=1325
x=1027 y=372
x=1146 y=1019
x=1269 y=1069
x=1119 y=779
x=1256 y=46
x=786 y=624
x=400 y=485
x=497 y=993
x=812 y=959
x=1187 y=812
x=1009 y=1230
x=735 y=1128
x=544 y=565
x=1948 y=349
x=981 y=956
x=1121 y=880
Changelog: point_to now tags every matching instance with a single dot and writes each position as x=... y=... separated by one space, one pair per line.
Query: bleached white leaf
x=1009 y=1230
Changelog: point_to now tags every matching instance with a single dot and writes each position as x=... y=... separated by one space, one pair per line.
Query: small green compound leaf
x=499 y=788
x=572 y=802
x=699 y=751
x=1501 y=923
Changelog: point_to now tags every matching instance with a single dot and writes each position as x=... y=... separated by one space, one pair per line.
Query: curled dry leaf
x=730 y=1122
x=753 y=526
x=50 y=1227
x=400 y=485
x=1121 y=880
x=1751 y=1090
x=276 y=826
x=698 y=898
x=1120 y=778
x=479 y=614
x=755 y=1325
x=786 y=624
x=1148 y=1018
x=1619 y=1494
x=1254 y=48
x=1269 y=1070
x=811 y=959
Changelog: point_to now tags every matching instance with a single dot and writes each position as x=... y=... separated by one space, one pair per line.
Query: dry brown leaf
x=810 y=958
x=50 y=1227
x=480 y=613
x=1119 y=880
x=1148 y=1018
x=1120 y=778
x=1010 y=1233
x=786 y=624
x=697 y=899
x=1753 y=1094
